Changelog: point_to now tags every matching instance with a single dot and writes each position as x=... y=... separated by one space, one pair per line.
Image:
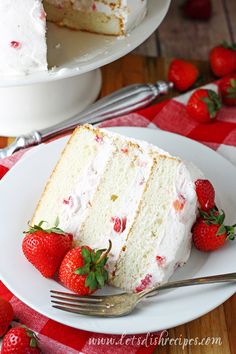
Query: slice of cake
x=22 y=37
x=113 y=17
x=109 y=187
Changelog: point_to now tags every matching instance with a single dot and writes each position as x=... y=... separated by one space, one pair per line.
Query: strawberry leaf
x=213 y=103
x=98 y=255
x=91 y=281
x=221 y=230
x=41 y=223
x=231 y=91
x=231 y=237
x=94 y=262
x=57 y=221
x=86 y=255
x=83 y=270
x=33 y=343
x=55 y=229
x=226 y=45
x=230 y=232
x=100 y=278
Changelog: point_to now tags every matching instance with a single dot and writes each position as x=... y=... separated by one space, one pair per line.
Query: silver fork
x=123 y=304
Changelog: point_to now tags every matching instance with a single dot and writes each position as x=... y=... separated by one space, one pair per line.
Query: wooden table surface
x=220 y=322
x=180 y=37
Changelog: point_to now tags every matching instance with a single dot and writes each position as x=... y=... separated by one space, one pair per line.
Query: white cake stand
x=74 y=81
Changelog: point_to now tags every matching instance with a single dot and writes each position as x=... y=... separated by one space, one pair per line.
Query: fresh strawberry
x=6 y=316
x=183 y=74
x=223 y=59
x=205 y=194
x=227 y=88
x=82 y=269
x=209 y=232
x=45 y=248
x=20 y=340
x=197 y=9
x=203 y=105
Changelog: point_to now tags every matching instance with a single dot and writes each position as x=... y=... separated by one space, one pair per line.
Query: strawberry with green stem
x=46 y=247
x=210 y=232
x=83 y=269
x=20 y=340
x=203 y=105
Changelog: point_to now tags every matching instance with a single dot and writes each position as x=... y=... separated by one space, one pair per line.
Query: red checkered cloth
x=169 y=115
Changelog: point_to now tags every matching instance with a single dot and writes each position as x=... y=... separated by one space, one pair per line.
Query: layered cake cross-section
x=110 y=187
x=100 y=16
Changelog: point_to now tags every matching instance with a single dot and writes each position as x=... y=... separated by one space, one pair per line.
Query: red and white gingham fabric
x=169 y=115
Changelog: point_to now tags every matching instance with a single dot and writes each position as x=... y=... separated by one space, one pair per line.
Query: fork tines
x=85 y=305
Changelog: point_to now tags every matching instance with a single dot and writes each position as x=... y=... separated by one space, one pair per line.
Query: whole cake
x=23 y=26
x=109 y=187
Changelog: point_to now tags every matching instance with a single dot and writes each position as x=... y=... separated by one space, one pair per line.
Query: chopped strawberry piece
x=119 y=224
x=42 y=15
x=144 y=283
x=179 y=203
x=161 y=260
x=98 y=139
x=15 y=44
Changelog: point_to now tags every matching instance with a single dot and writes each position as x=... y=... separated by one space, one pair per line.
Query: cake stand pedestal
x=43 y=99
x=37 y=106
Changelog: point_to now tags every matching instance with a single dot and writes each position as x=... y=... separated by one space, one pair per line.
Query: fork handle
x=230 y=277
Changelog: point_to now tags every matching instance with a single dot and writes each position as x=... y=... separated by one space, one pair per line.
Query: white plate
x=19 y=192
x=76 y=52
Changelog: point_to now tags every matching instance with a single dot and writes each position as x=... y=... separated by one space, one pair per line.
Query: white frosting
x=76 y=210
x=22 y=37
x=178 y=227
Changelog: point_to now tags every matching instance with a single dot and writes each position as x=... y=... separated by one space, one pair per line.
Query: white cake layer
x=104 y=180
x=22 y=37
x=117 y=199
